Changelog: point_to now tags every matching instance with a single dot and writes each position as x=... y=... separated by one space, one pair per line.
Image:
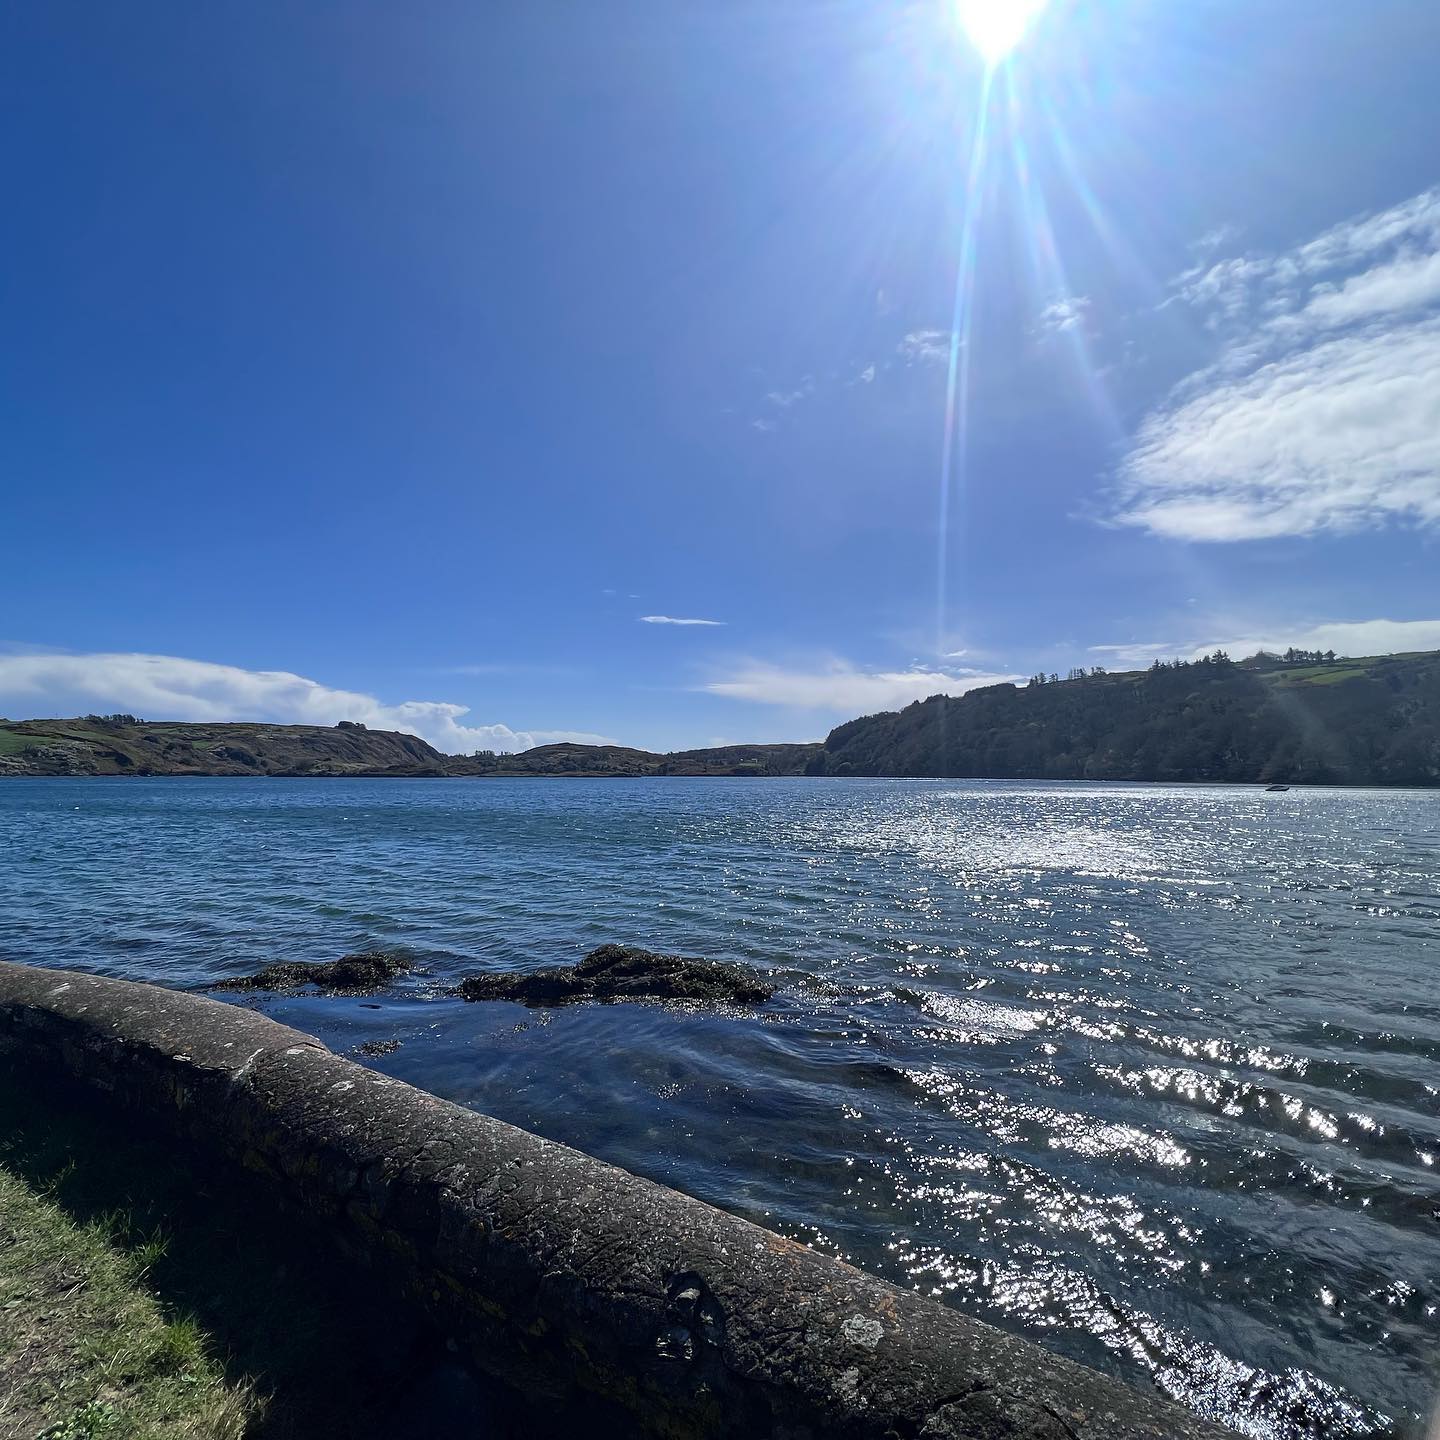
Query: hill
x=122 y=745
x=1270 y=719
x=621 y=760
x=1300 y=718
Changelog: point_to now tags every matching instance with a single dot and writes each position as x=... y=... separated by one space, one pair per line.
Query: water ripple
x=1151 y=1074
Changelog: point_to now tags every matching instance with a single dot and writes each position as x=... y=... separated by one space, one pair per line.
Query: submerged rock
x=624 y=972
x=377 y=1047
x=349 y=975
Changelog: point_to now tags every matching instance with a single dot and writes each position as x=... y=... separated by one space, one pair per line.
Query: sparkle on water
x=1150 y=1074
x=996 y=27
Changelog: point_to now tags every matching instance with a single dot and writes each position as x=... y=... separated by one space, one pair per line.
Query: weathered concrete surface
x=625 y=972
x=552 y=1268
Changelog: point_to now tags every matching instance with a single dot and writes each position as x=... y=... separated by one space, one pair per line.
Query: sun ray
x=957 y=379
x=1047 y=268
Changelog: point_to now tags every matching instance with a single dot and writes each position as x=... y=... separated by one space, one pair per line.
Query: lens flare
x=996 y=27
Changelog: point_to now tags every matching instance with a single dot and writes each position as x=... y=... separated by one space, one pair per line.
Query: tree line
x=1300 y=717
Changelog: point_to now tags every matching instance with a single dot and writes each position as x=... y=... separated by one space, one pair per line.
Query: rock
x=349 y=975
x=623 y=972
x=377 y=1047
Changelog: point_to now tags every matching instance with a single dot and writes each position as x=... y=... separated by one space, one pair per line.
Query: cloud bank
x=1323 y=412
x=166 y=687
x=675 y=620
x=842 y=687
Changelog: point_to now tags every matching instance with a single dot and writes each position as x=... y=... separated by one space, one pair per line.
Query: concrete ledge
x=550 y=1268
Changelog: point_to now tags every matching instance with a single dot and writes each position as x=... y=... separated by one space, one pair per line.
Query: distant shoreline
x=1297 y=719
x=1253 y=785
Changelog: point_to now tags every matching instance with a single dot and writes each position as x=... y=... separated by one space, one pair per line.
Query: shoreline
x=1262 y=786
x=555 y=1270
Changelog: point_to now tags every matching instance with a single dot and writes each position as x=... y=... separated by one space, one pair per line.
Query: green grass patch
x=1321 y=675
x=12 y=742
x=144 y=1293
x=86 y=1348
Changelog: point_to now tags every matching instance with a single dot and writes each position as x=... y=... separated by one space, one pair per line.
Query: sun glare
x=996 y=27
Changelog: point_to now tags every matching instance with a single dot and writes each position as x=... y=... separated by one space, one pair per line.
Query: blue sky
x=419 y=363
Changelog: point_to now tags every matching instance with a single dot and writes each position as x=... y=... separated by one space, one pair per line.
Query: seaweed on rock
x=624 y=972
x=350 y=975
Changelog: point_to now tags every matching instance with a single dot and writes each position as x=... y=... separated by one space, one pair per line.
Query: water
x=1150 y=1074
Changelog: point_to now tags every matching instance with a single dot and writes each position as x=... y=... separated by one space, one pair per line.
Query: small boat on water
x=1275 y=789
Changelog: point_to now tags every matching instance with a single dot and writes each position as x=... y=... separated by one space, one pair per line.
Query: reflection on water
x=1151 y=1074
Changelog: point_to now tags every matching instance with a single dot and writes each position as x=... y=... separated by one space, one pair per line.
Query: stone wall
x=548 y=1267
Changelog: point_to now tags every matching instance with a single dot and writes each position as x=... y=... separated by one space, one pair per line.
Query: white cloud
x=1323 y=411
x=1138 y=653
x=1066 y=313
x=1410 y=282
x=1416 y=220
x=1287 y=282
x=925 y=347
x=1339 y=436
x=1213 y=240
x=166 y=687
x=784 y=399
x=842 y=687
x=1344 y=637
x=866 y=375
x=675 y=620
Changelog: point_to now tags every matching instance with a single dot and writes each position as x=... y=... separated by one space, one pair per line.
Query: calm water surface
x=1150 y=1074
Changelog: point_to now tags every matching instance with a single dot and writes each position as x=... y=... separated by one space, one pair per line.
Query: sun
x=996 y=27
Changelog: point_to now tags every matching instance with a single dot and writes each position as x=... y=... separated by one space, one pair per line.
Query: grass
x=143 y=1295
x=12 y=742
x=86 y=1348
x=1320 y=677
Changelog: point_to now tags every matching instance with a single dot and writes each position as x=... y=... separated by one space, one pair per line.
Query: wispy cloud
x=167 y=687
x=1216 y=239
x=784 y=399
x=779 y=401
x=841 y=687
x=1323 y=411
x=481 y=669
x=925 y=347
x=675 y=620
x=1138 y=653
x=782 y=406
x=1066 y=313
